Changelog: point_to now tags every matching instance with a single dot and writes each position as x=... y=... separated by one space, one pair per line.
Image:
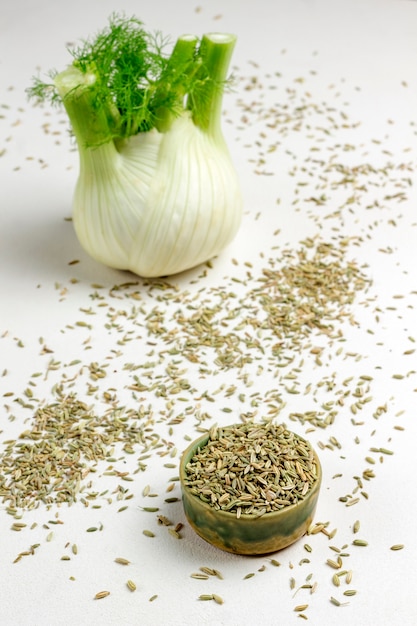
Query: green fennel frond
x=137 y=81
x=44 y=92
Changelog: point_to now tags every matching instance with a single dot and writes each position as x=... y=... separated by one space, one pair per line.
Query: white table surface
x=345 y=74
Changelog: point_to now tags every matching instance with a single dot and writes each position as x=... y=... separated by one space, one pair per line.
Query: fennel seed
x=101 y=594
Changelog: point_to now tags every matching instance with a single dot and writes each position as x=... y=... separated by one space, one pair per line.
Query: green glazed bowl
x=248 y=534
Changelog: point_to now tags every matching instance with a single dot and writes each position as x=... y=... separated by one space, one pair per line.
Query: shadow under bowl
x=247 y=534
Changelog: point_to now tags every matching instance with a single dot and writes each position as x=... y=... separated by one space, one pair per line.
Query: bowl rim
x=245 y=517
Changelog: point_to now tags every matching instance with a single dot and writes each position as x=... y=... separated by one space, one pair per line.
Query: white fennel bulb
x=157 y=192
x=161 y=204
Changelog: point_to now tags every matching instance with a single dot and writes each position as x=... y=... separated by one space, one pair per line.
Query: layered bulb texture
x=159 y=203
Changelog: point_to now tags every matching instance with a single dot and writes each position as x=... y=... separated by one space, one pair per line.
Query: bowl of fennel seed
x=250 y=488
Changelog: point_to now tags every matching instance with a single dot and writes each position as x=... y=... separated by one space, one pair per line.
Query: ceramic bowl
x=247 y=534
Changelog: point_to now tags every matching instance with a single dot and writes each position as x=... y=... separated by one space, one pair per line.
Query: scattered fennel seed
x=334 y=564
x=101 y=594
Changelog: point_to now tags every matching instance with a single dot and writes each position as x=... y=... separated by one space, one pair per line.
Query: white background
x=349 y=63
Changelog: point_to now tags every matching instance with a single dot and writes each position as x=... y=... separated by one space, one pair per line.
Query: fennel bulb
x=157 y=192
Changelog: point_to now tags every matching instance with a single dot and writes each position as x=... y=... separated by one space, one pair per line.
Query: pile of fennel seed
x=252 y=468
